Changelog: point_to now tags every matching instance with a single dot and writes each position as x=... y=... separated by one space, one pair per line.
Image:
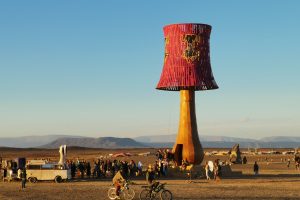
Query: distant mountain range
x=31 y=141
x=203 y=138
x=102 y=142
x=225 y=142
x=157 y=141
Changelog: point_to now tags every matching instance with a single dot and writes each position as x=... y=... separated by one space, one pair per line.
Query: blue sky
x=90 y=68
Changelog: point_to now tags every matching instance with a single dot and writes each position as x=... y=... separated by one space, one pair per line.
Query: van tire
x=32 y=179
x=58 y=179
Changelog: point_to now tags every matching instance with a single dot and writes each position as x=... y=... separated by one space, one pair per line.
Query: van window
x=33 y=166
x=47 y=166
x=58 y=167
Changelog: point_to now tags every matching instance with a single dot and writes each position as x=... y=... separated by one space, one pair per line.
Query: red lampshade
x=187 y=60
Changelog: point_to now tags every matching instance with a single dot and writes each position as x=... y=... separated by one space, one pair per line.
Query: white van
x=40 y=170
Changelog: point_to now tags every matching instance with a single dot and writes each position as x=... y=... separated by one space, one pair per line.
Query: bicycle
x=126 y=193
x=150 y=193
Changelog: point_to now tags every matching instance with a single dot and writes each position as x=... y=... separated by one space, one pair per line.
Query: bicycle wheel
x=166 y=195
x=112 y=193
x=128 y=194
x=145 y=194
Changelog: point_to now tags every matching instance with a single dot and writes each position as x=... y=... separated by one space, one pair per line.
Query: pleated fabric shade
x=187 y=60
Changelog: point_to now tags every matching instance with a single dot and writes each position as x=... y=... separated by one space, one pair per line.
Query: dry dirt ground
x=275 y=181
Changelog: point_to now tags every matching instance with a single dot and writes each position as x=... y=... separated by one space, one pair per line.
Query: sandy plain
x=276 y=180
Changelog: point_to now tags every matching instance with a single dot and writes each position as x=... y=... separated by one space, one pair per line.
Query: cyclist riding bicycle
x=118 y=182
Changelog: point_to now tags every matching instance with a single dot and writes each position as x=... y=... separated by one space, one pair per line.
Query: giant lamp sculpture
x=187 y=69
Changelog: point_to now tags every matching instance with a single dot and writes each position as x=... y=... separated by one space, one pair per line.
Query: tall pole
x=188 y=146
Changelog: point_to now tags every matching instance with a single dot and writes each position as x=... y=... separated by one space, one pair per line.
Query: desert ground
x=275 y=181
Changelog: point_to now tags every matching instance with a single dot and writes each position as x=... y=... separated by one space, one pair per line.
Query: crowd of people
x=110 y=167
x=102 y=168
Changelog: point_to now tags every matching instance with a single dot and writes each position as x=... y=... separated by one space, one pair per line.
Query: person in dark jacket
x=73 y=169
x=23 y=177
x=88 y=169
x=81 y=169
x=244 y=160
x=255 y=168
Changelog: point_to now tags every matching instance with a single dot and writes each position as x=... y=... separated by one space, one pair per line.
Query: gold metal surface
x=188 y=146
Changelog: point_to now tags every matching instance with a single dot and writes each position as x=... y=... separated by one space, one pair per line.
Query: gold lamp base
x=188 y=146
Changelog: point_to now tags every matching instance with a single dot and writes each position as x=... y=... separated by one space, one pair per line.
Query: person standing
x=88 y=170
x=255 y=168
x=207 y=171
x=81 y=169
x=140 y=168
x=150 y=175
x=156 y=169
x=288 y=163
x=244 y=160
x=23 y=177
x=19 y=173
x=217 y=170
x=165 y=167
x=73 y=169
